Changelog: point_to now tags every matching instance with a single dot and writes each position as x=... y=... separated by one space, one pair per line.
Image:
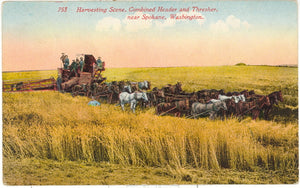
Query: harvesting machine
x=67 y=79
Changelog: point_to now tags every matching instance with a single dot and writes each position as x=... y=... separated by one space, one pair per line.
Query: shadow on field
x=284 y=114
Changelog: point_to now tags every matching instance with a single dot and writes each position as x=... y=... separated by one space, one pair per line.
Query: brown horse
x=157 y=96
x=178 y=108
x=254 y=107
x=182 y=107
x=261 y=103
x=113 y=96
x=192 y=98
x=274 y=98
x=243 y=108
x=231 y=108
x=205 y=95
x=163 y=108
x=247 y=93
x=173 y=89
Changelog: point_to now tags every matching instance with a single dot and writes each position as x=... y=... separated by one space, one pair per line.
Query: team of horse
x=172 y=100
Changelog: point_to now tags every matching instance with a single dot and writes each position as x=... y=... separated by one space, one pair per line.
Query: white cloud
x=246 y=24
x=108 y=23
x=230 y=23
x=233 y=21
x=137 y=24
x=220 y=26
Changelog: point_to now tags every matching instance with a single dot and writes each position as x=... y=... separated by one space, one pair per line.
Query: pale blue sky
x=273 y=14
x=238 y=31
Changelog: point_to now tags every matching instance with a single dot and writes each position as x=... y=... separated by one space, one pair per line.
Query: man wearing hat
x=62 y=58
x=58 y=82
x=99 y=63
x=77 y=66
x=81 y=64
x=66 y=62
x=73 y=67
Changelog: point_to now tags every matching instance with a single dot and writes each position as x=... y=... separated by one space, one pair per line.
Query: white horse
x=213 y=101
x=144 y=85
x=132 y=98
x=210 y=108
x=239 y=98
x=224 y=97
x=127 y=89
x=141 y=85
x=220 y=98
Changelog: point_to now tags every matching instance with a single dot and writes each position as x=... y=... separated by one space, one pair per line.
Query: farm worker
x=74 y=67
x=95 y=68
x=77 y=62
x=93 y=102
x=58 y=83
x=73 y=64
x=66 y=62
x=63 y=57
x=77 y=66
x=99 y=62
x=81 y=64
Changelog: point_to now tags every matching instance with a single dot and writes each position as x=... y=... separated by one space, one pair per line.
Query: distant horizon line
x=281 y=65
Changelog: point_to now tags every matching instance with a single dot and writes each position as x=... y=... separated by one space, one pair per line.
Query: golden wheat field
x=50 y=138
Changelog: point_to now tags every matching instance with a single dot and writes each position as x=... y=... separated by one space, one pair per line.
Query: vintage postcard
x=150 y=92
